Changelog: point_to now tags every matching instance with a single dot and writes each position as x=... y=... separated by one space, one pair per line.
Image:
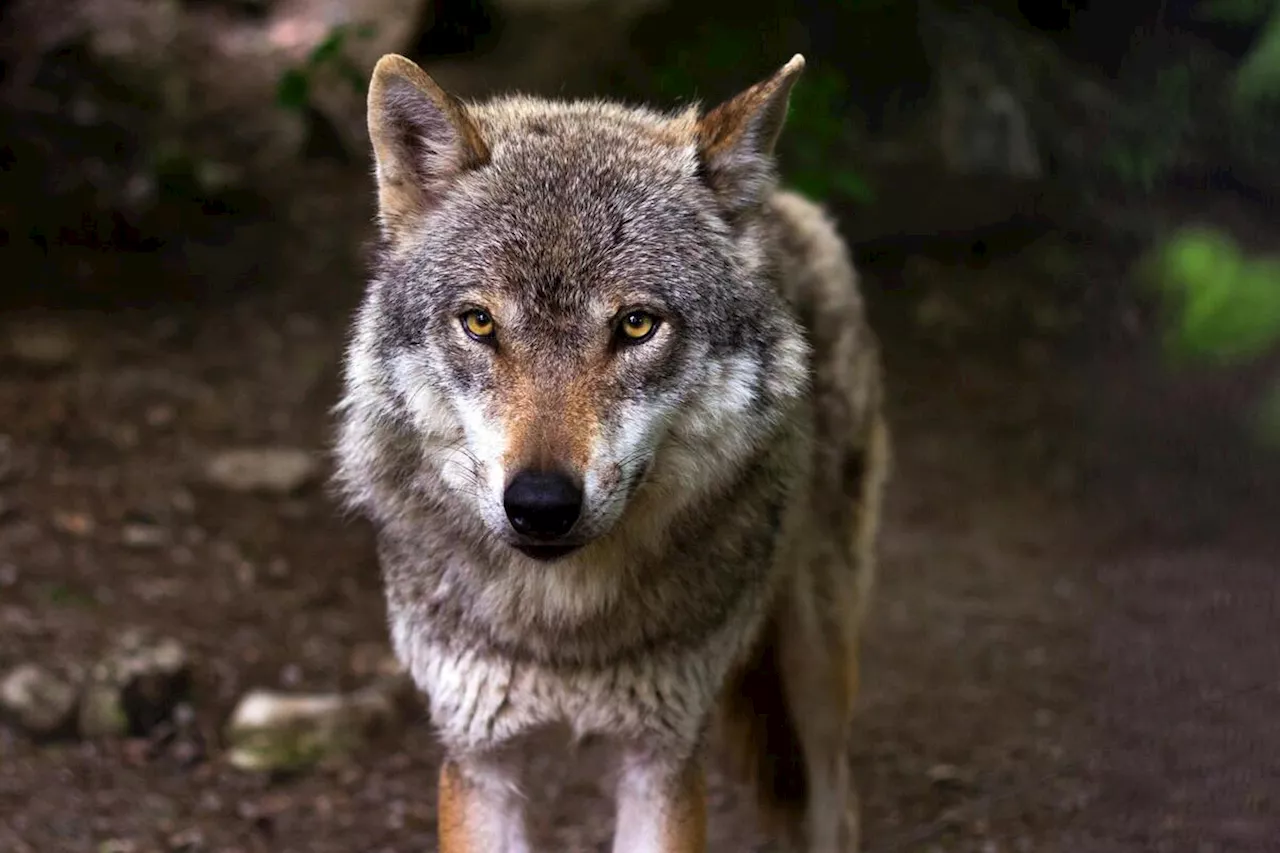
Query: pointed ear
x=423 y=139
x=737 y=138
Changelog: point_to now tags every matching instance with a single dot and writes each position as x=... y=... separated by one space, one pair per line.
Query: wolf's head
x=572 y=298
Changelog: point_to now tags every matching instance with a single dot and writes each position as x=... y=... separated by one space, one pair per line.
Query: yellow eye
x=478 y=324
x=638 y=326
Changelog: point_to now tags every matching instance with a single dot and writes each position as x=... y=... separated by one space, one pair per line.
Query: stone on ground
x=272 y=470
x=272 y=731
x=134 y=687
x=37 y=700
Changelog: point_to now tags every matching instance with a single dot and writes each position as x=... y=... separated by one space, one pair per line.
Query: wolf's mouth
x=546 y=553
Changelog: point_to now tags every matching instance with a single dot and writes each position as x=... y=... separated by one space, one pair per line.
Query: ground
x=1073 y=645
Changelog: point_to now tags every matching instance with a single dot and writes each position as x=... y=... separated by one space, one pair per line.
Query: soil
x=1074 y=643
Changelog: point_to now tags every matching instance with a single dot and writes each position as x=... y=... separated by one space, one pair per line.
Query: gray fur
x=729 y=452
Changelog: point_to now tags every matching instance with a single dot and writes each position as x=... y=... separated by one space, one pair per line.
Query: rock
x=983 y=128
x=291 y=675
x=142 y=536
x=76 y=524
x=118 y=845
x=948 y=776
x=942 y=317
x=102 y=713
x=160 y=415
x=38 y=700
x=187 y=840
x=271 y=731
x=134 y=687
x=273 y=470
x=43 y=345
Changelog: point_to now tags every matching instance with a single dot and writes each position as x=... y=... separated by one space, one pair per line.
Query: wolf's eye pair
x=637 y=327
x=478 y=324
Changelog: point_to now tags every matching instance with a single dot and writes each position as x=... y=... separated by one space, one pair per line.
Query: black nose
x=542 y=505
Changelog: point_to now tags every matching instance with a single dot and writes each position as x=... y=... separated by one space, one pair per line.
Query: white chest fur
x=479 y=701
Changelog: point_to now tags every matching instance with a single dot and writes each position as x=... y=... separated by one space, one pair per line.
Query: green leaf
x=853 y=186
x=293 y=90
x=1246 y=321
x=353 y=75
x=810 y=183
x=1258 y=77
x=330 y=48
x=65 y=596
x=815 y=112
x=1198 y=255
x=1226 y=305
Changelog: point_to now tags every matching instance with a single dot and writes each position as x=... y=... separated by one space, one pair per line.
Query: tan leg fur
x=661 y=811
x=478 y=813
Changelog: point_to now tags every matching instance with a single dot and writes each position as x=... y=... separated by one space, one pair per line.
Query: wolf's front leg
x=661 y=805
x=481 y=809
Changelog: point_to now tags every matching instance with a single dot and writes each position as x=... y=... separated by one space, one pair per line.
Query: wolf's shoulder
x=813 y=263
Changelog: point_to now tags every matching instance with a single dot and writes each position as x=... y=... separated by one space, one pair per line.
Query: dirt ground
x=1074 y=644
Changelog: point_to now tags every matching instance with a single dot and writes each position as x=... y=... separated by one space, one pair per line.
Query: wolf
x=614 y=410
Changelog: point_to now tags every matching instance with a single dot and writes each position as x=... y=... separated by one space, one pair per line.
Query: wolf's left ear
x=737 y=138
x=423 y=139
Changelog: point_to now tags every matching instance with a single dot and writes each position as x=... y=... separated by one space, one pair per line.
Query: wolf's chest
x=478 y=700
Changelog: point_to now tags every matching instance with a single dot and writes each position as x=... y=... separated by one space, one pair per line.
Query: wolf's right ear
x=736 y=139
x=423 y=138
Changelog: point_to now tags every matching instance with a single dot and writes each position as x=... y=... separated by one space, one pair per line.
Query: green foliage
x=706 y=56
x=1139 y=165
x=1143 y=159
x=1225 y=305
x=1258 y=77
x=815 y=140
x=62 y=595
x=1257 y=80
x=293 y=90
x=1222 y=309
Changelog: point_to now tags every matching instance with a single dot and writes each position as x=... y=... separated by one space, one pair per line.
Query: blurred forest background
x=1065 y=219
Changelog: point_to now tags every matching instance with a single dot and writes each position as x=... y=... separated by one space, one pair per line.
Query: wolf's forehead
x=578 y=203
x=570 y=220
x=589 y=184
x=590 y=149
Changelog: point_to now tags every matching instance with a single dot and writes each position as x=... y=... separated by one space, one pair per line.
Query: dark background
x=1063 y=214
